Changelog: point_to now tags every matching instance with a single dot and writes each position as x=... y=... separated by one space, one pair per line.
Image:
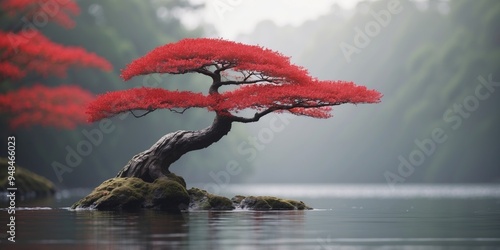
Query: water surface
x=345 y=217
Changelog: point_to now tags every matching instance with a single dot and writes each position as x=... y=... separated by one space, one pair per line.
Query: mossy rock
x=237 y=199
x=130 y=193
x=254 y=203
x=299 y=205
x=268 y=203
x=28 y=184
x=202 y=200
x=112 y=194
x=122 y=198
x=177 y=179
x=169 y=194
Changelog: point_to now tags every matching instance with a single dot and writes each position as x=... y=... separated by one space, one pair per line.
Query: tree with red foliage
x=267 y=83
x=58 y=11
x=24 y=51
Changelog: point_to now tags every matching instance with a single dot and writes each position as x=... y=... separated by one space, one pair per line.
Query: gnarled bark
x=153 y=163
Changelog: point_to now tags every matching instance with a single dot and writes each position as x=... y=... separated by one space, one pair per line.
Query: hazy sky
x=231 y=17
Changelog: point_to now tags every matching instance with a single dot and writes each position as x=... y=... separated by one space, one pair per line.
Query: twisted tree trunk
x=154 y=162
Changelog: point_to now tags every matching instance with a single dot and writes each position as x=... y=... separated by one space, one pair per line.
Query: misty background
x=428 y=58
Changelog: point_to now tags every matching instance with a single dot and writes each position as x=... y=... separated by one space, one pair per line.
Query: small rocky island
x=169 y=193
x=29 y=185
x=268 y=84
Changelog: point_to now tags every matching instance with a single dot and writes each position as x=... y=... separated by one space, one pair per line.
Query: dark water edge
x=356 y=218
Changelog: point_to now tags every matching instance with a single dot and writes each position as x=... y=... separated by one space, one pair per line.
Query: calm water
x=346 y=217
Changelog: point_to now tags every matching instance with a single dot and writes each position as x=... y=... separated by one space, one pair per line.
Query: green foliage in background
x=121 y=31
x=425 y=60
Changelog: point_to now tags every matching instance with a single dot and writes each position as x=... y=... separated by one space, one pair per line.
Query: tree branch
x=151 y=110
x=205 y=72
x=138 y=116
x=223 y=67
x=255 y=118
x=259 y=78
x=179 y=112
x=246 y=77
x=259 y=115
x=244 y=82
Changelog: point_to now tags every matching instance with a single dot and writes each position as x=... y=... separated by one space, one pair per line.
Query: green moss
x=255 y=203
x=202 y=200
x=260 y=204
x=101 y=193
x=300 y=205
x=132 y=193
x=268 y=203
x=237 y=199
x=197 y=193
x=137 y=185
x=176 y=178
x=124 y=197
x=198 y=199
x=169 y=194
x=27 y=183
x=278 y=204
x=90 y=199
x=220 y=203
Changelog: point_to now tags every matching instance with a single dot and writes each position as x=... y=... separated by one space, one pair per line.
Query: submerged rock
x=202 y=200
x=28 y=184
x=267 y=203
x=169 y=194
